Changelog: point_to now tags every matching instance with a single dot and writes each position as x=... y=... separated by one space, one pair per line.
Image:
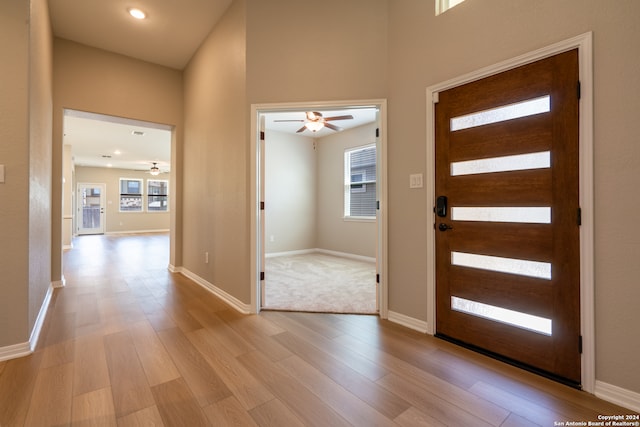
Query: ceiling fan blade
x=346 y=117
x=301 y=129
x=333 y=127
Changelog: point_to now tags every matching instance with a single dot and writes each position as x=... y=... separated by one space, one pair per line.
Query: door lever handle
x=444 y=227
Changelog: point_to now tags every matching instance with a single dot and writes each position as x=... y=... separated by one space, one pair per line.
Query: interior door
x=90 y=208
x=507 y=216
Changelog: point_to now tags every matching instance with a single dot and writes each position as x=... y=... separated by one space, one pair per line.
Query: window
x=360 y=182
x=444 y=5
x=157 y=195
x=130 y=195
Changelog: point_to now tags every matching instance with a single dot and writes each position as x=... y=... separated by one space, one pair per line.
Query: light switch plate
x=1 y=174
x=415 y=180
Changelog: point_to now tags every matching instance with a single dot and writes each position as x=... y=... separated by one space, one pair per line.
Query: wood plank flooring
x=126 y=343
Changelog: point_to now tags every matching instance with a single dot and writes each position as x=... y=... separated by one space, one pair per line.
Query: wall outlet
x=272 y=238
x=206 y=257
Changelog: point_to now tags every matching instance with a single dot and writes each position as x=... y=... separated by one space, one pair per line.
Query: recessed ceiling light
x=137 y=13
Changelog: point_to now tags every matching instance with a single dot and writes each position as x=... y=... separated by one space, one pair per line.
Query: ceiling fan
x=154 y=170
x=315 y=121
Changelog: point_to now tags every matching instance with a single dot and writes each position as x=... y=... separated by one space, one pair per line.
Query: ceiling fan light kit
x=155 y=170
x=314 y=126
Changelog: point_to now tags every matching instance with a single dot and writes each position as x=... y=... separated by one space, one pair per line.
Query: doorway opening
x=319 y=219
x=117 y=174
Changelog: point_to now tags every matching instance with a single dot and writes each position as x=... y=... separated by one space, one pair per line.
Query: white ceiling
x=169 y=36
x=105 y=141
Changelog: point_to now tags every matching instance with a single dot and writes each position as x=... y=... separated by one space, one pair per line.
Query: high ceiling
x=169 y=36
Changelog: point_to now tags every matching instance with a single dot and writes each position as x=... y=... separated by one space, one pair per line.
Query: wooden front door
x=507 y=216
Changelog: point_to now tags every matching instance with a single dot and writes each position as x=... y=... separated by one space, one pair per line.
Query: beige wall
x=216 y=185
x=97 y=81
x=425 y=50
x=14 y=155
x=25 y=151
x=257 y=54
x=290 y=192
x=116 y=221
x=306 y=51
x=40 y=125
x=304 y=192
x=334 y=232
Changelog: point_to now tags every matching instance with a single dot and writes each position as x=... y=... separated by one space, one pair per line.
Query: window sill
x=359 y=218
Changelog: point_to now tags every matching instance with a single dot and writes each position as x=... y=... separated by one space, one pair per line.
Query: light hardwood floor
x=127 y=343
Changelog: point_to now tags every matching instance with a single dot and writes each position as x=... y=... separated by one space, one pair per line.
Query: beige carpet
x=320 y=283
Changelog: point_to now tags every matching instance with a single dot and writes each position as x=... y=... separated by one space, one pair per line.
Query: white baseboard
x=290 y=253
x=346 y=255
x=15 y=351
x=229 y=299
x=59 y=283
x=26 y=348
x=42 y=315
x=112 y=233
x=409 y=322
x=321 y=251
x=618 y=395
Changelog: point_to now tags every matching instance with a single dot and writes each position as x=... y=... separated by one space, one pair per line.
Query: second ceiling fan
x=315 y=121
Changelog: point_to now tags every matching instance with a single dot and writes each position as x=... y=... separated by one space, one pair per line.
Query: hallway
x=127 y=343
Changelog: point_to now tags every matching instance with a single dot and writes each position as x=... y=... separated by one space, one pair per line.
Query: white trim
x=256 y=111
x=42 y=314
x=15 y=351
x=290 y=253
x=59 y=283
x=347 y=255
x=409 y=322
x=162 y=230
x=618 y=395
x=584 y=44
x=26 y=348
x=322 y=251
x=227 y=298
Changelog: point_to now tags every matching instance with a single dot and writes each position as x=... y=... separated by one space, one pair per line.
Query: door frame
x=78 y=207
x=255 y=184
x=584 y=44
